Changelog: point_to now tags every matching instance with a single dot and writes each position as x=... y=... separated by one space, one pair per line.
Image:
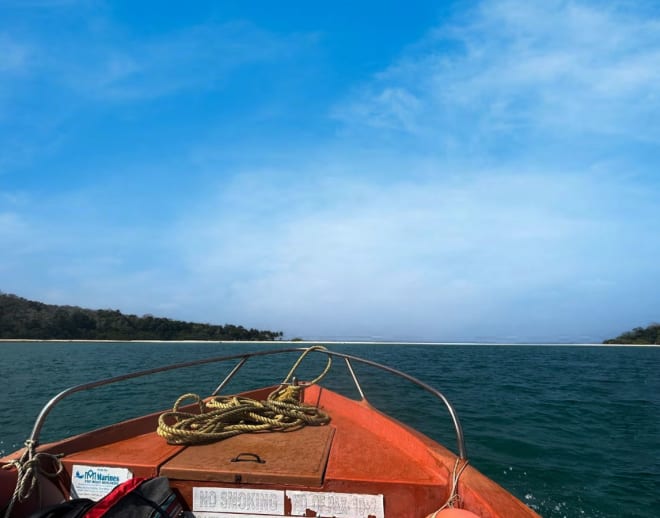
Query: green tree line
x=638 y=336
x=26 y=319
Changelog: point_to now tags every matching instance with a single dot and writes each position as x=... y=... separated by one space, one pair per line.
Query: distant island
x=639 y=336
x=26 y=319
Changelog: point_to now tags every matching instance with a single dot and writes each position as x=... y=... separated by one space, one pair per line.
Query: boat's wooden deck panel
x=297 y=457
x=142 y=454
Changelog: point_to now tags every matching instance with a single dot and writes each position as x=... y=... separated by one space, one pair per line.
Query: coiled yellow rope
x=225 y=416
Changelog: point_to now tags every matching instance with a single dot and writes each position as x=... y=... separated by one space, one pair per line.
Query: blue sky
x=351 y=170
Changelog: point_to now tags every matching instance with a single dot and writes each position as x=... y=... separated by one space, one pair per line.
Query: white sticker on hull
x=95 y=482
x=217 y=502
x=337 y=505
x=227 y=500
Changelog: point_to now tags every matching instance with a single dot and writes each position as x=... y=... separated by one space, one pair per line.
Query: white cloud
x=391 y=108
x=422 y=259
x=463 y=254
x=513 y=66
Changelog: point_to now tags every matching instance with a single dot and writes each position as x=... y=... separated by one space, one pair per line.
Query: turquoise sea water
x=573 y=431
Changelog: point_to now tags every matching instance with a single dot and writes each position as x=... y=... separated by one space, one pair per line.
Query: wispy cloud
x=508 y=67
x=116 y=65
x=53 y=81
x=519 y=216
x=119 y=67
x=470 y=254
x=490 y=183
x=430 y=257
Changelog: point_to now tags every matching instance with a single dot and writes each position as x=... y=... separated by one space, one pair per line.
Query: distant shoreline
x=332 y=342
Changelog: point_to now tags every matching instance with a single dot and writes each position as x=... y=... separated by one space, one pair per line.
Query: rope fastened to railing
x=29 y=466
x=222 y=417
x=454 y=499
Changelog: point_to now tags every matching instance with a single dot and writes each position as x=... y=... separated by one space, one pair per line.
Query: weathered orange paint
x=360 y=451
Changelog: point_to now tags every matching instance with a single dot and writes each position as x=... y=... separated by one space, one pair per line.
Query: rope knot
x=289 y=393
x=29 y=466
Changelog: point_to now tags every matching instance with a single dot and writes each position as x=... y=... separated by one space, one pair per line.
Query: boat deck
x=342 y=457
x=363 y=461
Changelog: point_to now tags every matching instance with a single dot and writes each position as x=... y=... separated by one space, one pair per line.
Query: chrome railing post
x=236 y=368
x=355 y=380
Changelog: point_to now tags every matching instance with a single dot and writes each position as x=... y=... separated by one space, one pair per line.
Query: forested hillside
x=26 y=319
x=639 y=336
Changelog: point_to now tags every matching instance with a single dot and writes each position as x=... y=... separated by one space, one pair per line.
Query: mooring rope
x=222 y=417
x=29 y=466
x=454 y=498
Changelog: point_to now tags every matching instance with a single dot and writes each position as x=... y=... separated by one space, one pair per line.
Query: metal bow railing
x=242 y=359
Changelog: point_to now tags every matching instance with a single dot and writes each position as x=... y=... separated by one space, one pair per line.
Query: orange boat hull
x=361 y=451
